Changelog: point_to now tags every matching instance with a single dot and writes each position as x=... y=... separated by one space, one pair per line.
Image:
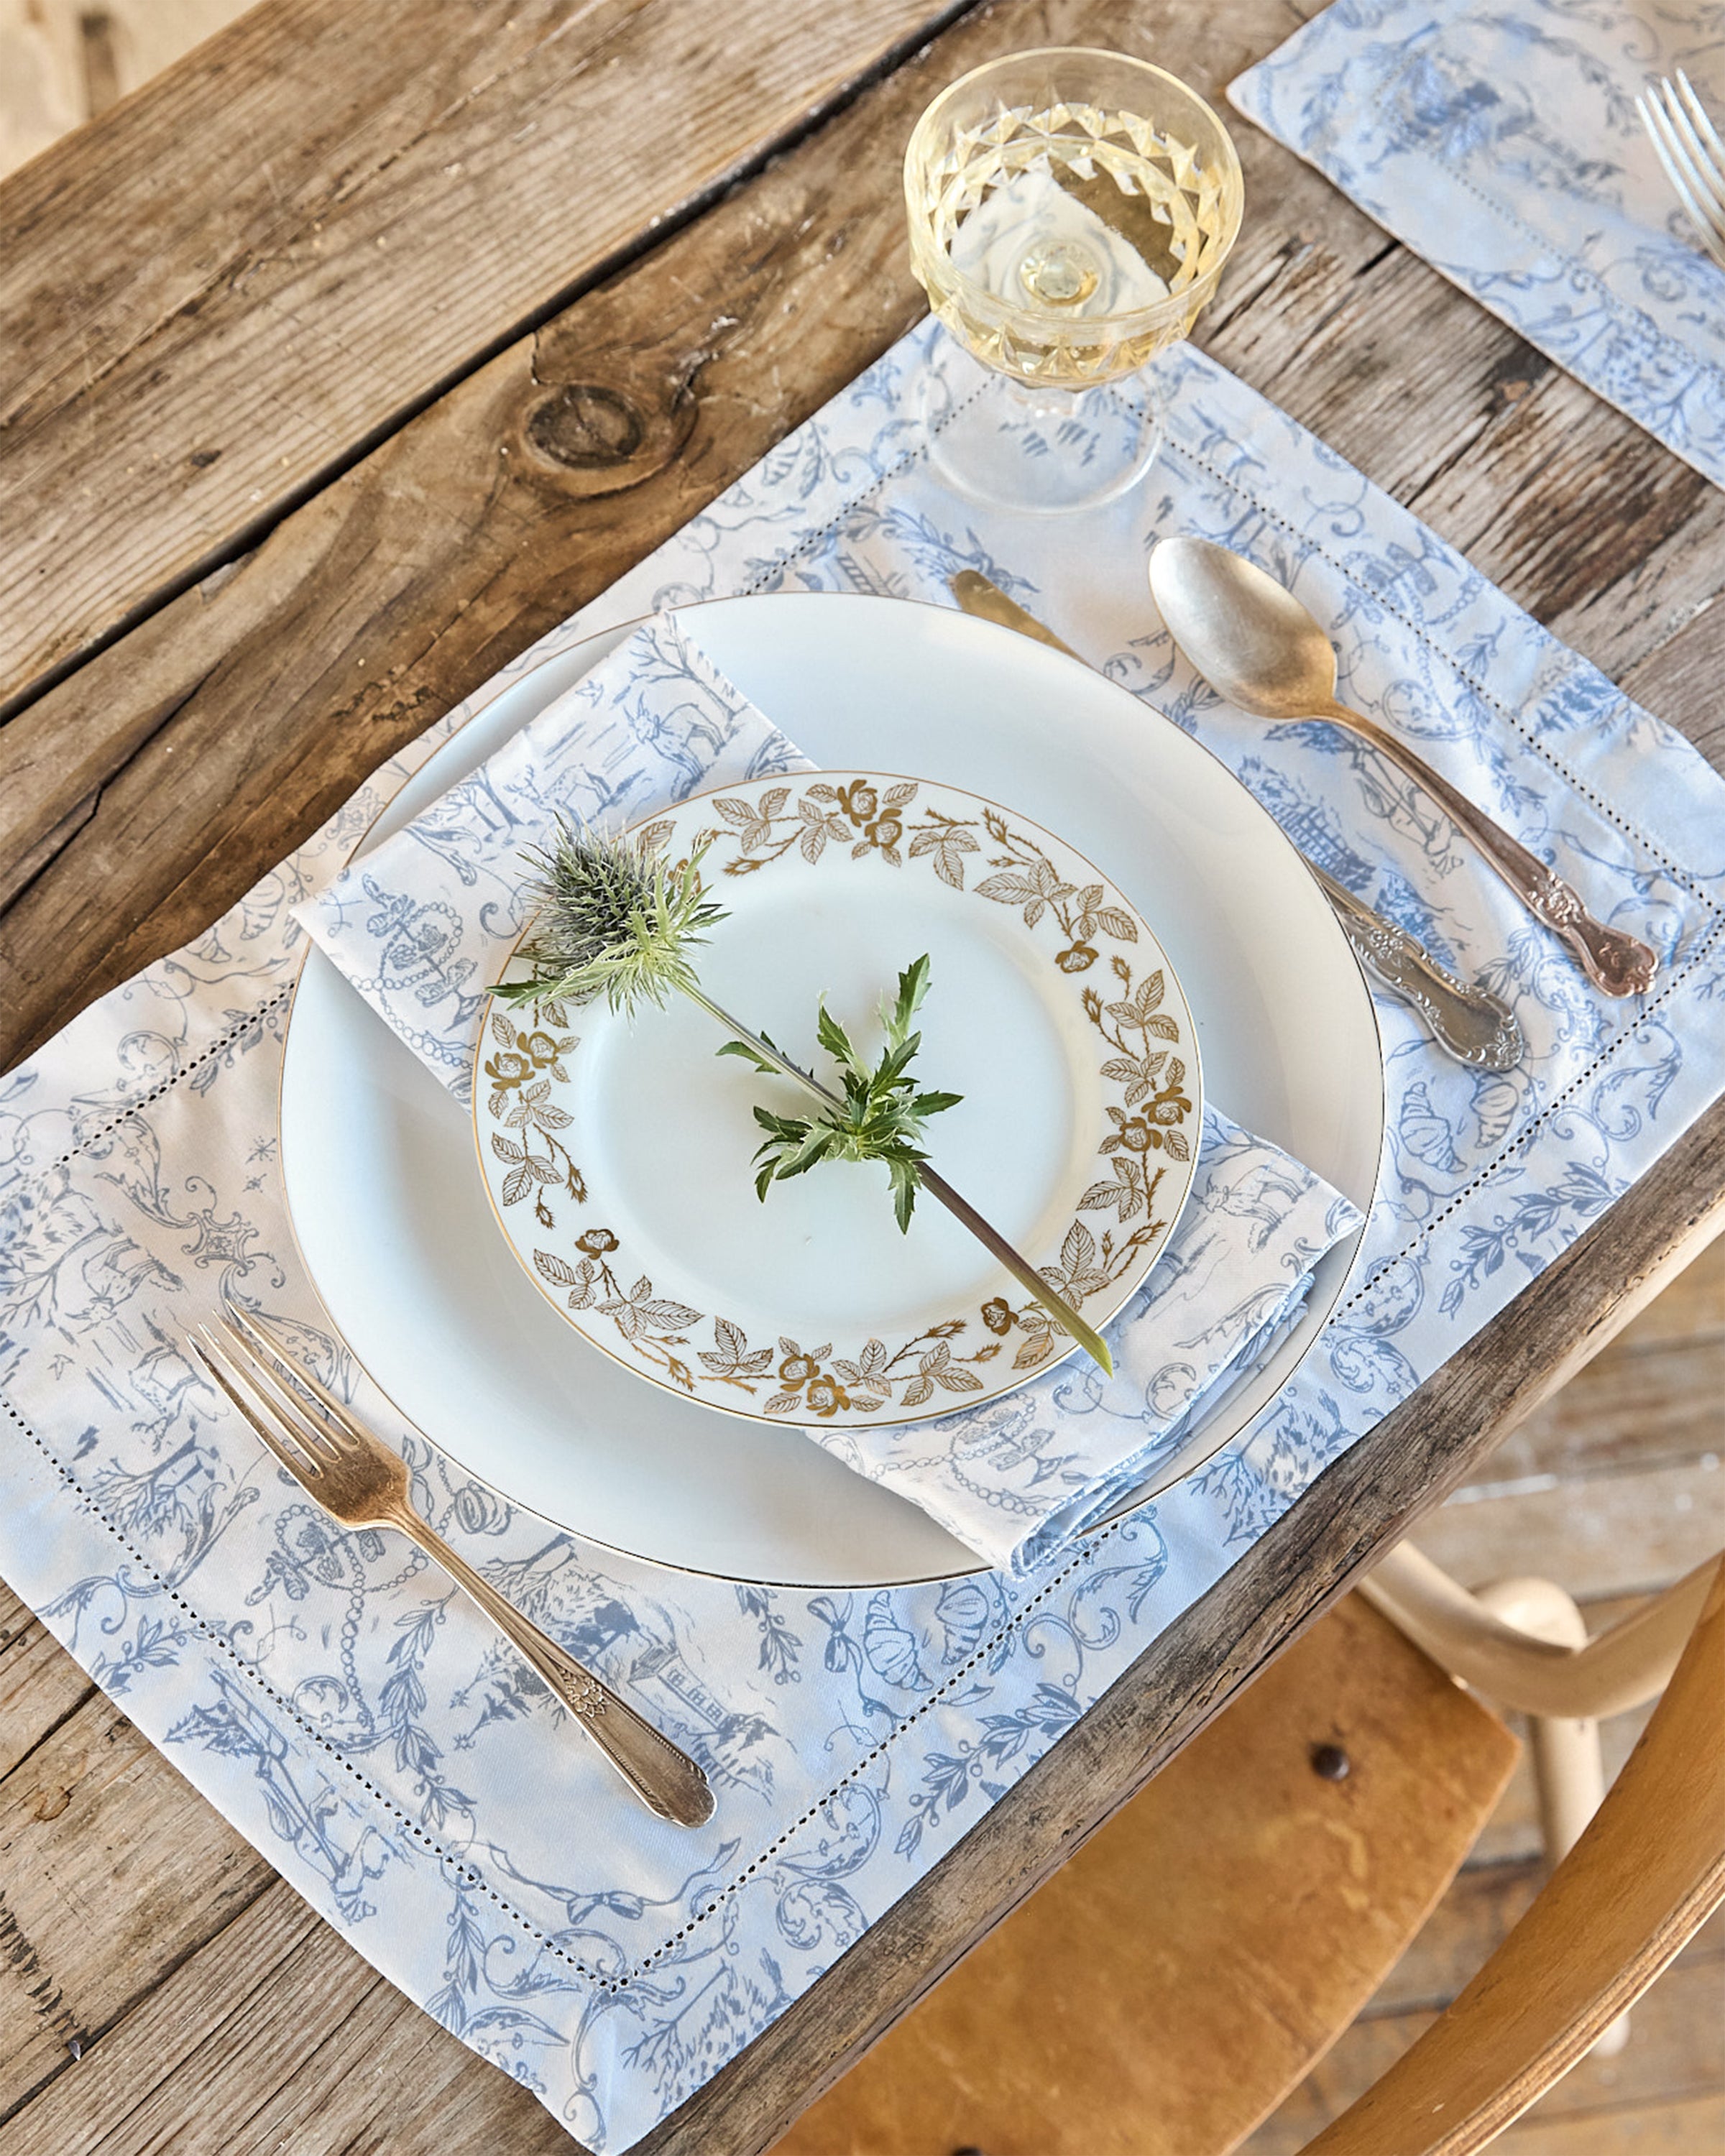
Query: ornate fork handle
x=666 y=1779
x=1618 y=964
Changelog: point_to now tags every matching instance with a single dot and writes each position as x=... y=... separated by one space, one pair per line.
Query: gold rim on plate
x=1100 y=966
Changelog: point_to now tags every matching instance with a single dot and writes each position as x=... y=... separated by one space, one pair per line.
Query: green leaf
x=881 y=1114
x=895 y=1061
x=833 y=1037
x=749 y=1056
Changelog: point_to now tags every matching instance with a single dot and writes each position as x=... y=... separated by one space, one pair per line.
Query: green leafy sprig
x=880 y=1116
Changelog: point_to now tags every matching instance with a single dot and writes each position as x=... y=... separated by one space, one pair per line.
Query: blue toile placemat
x=1502 y=144
x=362 y=1726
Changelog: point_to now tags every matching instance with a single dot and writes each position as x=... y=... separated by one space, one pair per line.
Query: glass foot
x=1002 y=444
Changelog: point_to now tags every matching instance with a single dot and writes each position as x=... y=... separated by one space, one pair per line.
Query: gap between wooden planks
x=224 y=289
x=153 y=787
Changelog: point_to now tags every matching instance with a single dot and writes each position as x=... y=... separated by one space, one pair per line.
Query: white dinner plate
x=394 y=1224
x=619 y=1148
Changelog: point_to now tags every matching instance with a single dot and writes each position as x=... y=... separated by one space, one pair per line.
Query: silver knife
x=1468 y=1022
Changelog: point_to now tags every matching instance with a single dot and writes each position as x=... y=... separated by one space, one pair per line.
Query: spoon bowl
x=1261 y=650
x=1257 y=646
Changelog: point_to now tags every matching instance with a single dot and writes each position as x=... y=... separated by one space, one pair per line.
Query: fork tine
x=1704 y=172
x=262 y=1336
x=286 y=1401
x=1708 y=223
x=1704 y=127
x=298 y=1463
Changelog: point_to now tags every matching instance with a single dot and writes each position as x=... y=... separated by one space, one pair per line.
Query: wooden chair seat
x=1184 y=1971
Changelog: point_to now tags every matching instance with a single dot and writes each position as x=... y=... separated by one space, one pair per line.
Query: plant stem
x=937 y=1187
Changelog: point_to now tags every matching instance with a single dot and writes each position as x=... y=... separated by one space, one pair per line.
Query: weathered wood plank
x=271 y=691
x=1659 y=1403
x=40 y=1685
x=1473 y=1920
x=1348 y=347
x=1622 y=1534
x=1691 y=1309
x=1584 y=520
x=275 y=2024
x=111 y=1872
x=315 y=220
x=1693 y=2128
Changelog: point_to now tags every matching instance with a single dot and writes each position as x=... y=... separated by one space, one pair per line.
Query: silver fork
x=360 y=1482
x=1694 y=157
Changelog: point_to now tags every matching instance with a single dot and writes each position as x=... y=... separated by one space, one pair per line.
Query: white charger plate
x=618 y=1149
x=395 y=1226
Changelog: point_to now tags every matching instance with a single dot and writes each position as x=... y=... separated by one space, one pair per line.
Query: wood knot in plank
x=602 y=440
x=585 y=425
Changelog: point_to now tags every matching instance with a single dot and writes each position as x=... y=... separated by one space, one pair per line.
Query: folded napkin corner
x=423 y=923
x=1016 y=1480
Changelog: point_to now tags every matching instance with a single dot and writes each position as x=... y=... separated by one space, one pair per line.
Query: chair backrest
x=1644 y=1876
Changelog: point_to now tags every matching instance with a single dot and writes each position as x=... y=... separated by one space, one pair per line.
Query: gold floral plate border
x=1092 y=938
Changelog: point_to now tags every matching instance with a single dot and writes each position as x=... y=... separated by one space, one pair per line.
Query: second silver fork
x=1689 y=147
x=360 y=1482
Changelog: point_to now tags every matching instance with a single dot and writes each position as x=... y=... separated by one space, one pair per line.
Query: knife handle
x=1470 y=1023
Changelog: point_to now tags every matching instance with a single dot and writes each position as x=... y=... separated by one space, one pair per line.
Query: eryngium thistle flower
x=615 y=920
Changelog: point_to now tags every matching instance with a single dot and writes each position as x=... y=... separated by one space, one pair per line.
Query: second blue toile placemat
x=1502 y=145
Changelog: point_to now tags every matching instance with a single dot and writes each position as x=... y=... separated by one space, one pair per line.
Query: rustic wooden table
x=343 y=360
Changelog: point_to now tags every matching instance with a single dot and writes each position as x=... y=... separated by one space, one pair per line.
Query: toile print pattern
x=1504 y=146
x=528 y=1111
x=365 y=1728
x=422 y=923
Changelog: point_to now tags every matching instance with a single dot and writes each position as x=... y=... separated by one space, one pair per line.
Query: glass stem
x=937 y=1187
x=1036 y=400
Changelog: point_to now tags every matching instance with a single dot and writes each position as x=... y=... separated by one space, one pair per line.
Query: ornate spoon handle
x=666 y=1780
x=1470 y=1023
x=1616 y=963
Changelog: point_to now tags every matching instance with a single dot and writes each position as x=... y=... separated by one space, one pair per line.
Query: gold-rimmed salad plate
x=617 y=1152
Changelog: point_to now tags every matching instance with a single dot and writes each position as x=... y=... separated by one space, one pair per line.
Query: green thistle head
x=615 y=920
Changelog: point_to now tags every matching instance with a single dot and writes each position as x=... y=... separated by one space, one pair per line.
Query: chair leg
x=1569 y=1770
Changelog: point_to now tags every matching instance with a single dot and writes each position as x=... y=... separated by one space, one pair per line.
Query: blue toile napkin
x=423 y=923
x=1018 y=1479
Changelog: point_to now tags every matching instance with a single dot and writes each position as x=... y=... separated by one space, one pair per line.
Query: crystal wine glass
x=1070 y=214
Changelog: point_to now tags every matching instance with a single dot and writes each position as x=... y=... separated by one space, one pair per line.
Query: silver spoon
x=1466 y=1020
x=1257 y=646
